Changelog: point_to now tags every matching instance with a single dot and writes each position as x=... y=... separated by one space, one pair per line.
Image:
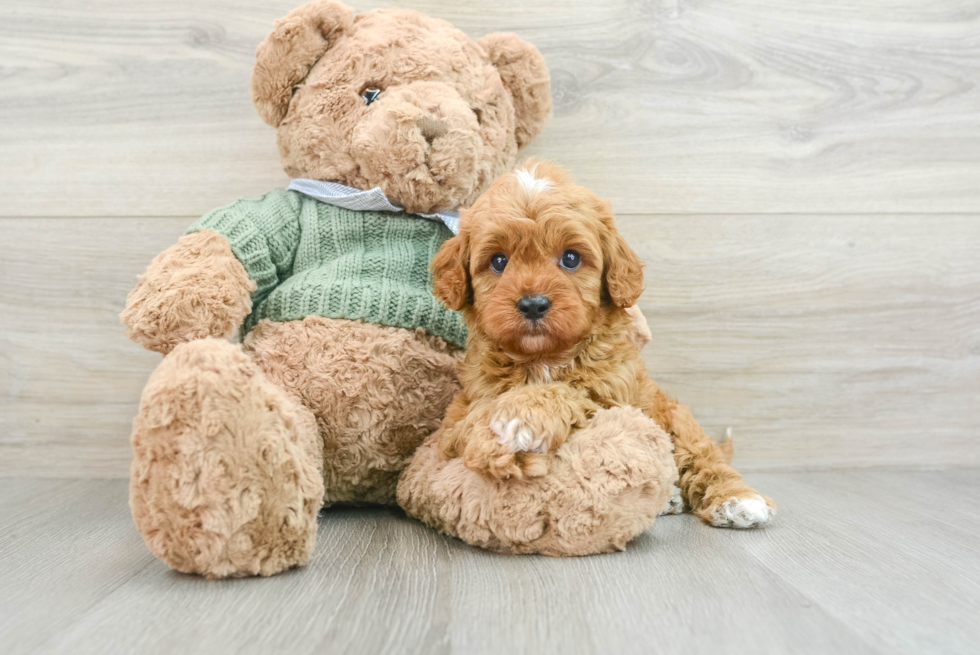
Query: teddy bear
x=388 y=121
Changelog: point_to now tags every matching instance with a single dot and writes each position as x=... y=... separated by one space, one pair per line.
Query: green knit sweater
x=310 y=258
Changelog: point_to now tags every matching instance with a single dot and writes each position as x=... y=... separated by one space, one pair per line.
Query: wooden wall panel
x=823 y=341
x=114 y=108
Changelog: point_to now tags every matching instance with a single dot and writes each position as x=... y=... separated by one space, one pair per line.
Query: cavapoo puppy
x=544 y=280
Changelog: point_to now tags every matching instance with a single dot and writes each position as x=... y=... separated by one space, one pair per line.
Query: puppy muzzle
x=534 y=307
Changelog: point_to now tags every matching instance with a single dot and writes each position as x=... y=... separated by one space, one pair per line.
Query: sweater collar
x=358 y=200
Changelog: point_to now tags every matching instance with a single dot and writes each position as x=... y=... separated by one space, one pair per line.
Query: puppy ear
x=450 y=275
x=623 y=273
x=284 y=59
x=525 y=75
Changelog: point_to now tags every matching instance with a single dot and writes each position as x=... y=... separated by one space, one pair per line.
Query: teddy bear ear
x=525 y=74
x=284 y=59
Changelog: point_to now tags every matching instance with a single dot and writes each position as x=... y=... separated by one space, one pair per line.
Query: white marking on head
x=532 y=184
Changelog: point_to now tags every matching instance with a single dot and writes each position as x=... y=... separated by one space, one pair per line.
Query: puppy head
x=537 y=260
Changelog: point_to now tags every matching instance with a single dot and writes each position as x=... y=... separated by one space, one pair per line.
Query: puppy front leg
x=715 y=491
x=466 y=433
x=515 y=434
x=530 y=423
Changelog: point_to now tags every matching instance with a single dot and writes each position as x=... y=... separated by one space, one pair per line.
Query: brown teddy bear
x=391 y=120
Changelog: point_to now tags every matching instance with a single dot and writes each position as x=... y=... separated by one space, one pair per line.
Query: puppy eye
x=570 y=259
x=370 y=94
x=498 y=262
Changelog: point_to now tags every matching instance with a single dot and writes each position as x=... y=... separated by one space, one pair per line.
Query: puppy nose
x=534 y=307
x=431 y=128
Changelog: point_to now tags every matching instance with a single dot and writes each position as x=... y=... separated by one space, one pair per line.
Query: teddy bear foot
x=607 y=484
x=225 y=479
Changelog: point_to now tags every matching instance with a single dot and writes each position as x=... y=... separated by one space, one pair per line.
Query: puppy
x=544 y=281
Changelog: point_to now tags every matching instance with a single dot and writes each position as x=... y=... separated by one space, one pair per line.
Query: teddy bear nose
x=534 y=307
x=431 y=128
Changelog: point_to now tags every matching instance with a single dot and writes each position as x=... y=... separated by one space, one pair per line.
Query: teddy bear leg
x=225 y=479
x=675 y=504
x=606 y=485
x=377 y=392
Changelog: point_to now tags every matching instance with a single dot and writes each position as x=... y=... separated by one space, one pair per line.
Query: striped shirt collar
x=358 y=200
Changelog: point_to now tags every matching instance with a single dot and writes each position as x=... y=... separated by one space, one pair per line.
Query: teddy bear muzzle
x=422 y=144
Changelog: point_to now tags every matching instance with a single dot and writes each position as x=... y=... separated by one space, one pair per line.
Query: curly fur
x=543 y=379
x=236 y=449
x=194 y=289
x=376 y=393
x=225 y=478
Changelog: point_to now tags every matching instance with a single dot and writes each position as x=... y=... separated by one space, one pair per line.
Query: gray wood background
x=802 y=180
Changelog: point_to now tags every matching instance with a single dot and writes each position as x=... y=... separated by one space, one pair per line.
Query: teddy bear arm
x=196 y=288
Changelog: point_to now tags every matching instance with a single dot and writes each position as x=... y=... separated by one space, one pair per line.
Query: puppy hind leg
x=715 y=491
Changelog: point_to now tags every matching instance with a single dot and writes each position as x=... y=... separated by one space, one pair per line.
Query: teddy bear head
x=398 y=100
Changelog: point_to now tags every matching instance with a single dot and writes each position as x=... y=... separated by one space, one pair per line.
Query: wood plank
x=122 y=109
x=71 y=380
x=66 y=545
x=895 y=572
x=822 y=341
x=843 y=569
x=381 y=583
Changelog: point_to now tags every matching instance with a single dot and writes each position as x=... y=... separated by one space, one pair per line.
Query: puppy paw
x=538 y=419
x=676 y=503
x=518 y=433
x=751 y=512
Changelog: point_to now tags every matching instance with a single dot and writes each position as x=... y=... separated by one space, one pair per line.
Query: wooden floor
x=856 y=562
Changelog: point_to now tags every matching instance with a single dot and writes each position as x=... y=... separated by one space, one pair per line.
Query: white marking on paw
x=742 y=513
x=676 y=503
x=532 y=184
x=516 y=434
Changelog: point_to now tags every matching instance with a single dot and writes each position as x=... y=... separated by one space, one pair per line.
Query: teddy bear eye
x=498 y=262
x=571 y=259
x=370 y=94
